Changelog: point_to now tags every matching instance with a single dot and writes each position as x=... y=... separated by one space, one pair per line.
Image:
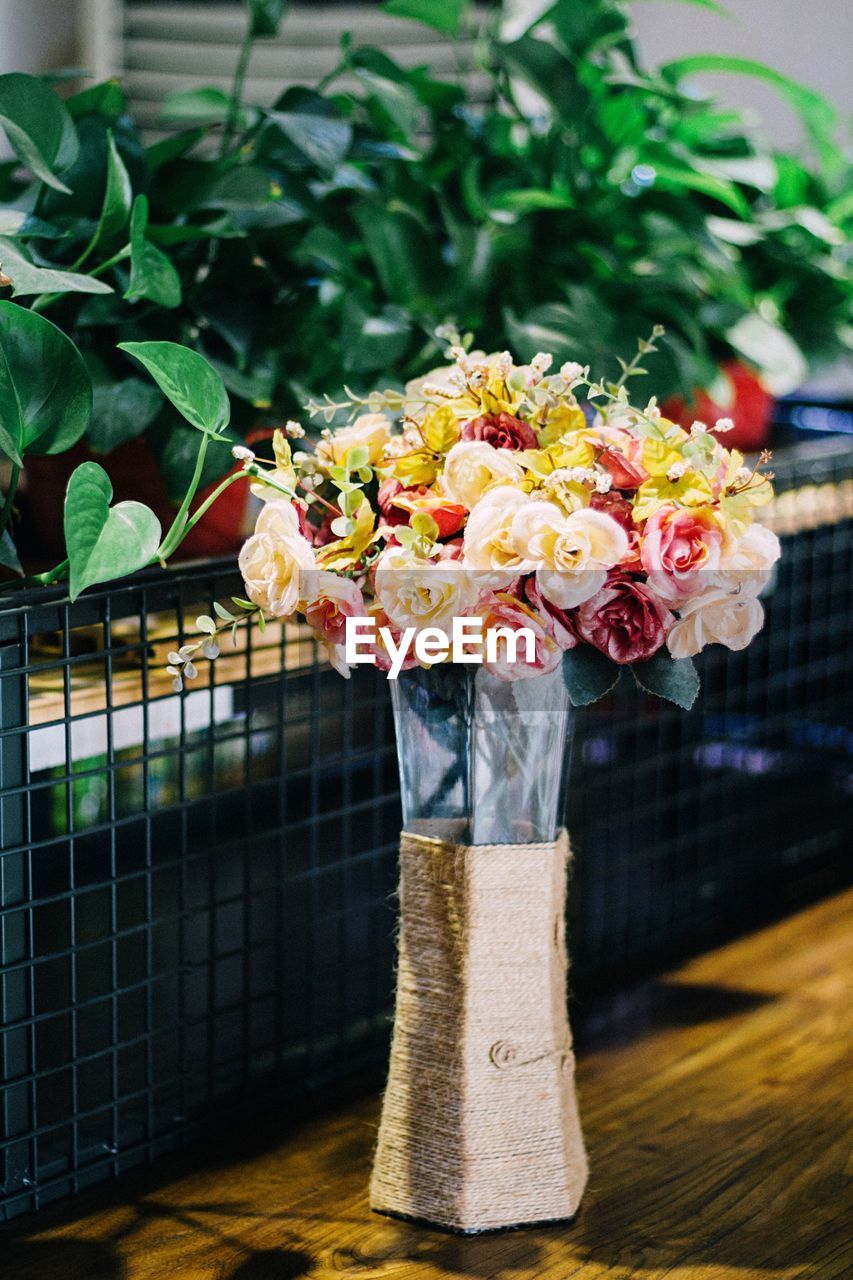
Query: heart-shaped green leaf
x=39 y=129
x=28 y=279
x=675 y=679
x=152 y=275
x=104 y=542
x=588 y=674
x=188 y=380
x=266 y=15
x=45 y=391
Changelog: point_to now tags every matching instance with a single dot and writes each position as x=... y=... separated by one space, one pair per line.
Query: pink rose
x=377 y=648
x=624 y=619
x=558 y=622
x=501 y=431
x=508 y=614
x=676 y=545
x=335 y=600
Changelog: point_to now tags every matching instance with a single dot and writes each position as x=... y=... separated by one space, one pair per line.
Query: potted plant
x=326 y=237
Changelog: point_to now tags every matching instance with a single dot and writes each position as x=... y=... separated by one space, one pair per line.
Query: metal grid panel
x=689 y=826
x=194 y=890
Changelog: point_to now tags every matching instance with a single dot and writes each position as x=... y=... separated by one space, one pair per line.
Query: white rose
x=273 y=559
x=488 y=544
x=371 y=431
x=571 y=553
x=746 y=564
x=472 y=466
x=415 y=592
x=715 y=618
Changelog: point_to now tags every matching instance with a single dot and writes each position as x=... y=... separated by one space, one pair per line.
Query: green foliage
x=317 y=243
x=104 y=542
x=38 y=127
x=188 y=380
x=45 y=391
x=588 y=674
x=675 y=679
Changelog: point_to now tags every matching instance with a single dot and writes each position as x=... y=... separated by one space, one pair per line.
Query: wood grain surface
x=717 y=1107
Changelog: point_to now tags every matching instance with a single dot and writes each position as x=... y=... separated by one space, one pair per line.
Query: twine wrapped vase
x=479 y=1125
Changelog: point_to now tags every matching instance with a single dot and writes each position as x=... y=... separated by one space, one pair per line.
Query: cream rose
x=273 y=559
x=372 y=431
x=488 y=544
x=747 y=563
x=717 y=617
x=570 y=553
x=472 y=466
x=416 y=592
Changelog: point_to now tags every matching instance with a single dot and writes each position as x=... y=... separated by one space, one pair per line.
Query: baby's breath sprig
x=182 y=662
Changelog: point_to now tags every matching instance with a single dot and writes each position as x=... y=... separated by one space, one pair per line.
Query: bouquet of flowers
x=518 y=497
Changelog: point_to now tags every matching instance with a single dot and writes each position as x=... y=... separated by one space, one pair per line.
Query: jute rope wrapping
x=479 y=1124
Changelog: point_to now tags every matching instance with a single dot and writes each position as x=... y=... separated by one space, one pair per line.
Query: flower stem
x=236 y=100
x=175 y=534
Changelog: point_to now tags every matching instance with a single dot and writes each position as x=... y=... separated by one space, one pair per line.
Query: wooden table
x=717 y=1107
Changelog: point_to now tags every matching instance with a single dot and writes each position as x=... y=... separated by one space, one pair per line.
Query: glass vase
x=480 y=1127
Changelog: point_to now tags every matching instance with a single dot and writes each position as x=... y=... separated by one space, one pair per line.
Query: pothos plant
x=324 y=238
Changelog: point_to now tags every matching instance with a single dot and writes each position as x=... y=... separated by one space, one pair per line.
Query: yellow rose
x=273 y=559
x=472 y=467
x=371 y=431
x=488 y=539
x=571 y=553
x=415 y=592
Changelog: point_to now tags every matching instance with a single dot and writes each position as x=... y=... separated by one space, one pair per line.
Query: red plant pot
x=134 y=475
x=748 y=403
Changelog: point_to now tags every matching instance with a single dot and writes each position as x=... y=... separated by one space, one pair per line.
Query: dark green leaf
x=323 y=139
x=152 y=275
x=104 y=542
x=39 y=128
x=373 y=342
x=45 y=391
x=441 y=15
x=188 y=380
x=266 y=15
x=29 y=279
x=588 y=674
x=121 y=411
x=117 y=200
x=8 y=553
x=172 y=148
x=675 y=679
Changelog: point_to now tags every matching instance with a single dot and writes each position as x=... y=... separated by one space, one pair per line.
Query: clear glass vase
x=482 y=760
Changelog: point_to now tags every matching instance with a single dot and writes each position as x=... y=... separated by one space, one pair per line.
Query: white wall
x=37 y=35
x=809 y=40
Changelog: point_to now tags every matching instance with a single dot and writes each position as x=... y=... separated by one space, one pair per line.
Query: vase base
x=568 y=1221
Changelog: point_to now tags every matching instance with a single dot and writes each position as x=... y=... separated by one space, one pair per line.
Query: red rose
x=624 y=619
x=391 y=515
x=501 y=430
